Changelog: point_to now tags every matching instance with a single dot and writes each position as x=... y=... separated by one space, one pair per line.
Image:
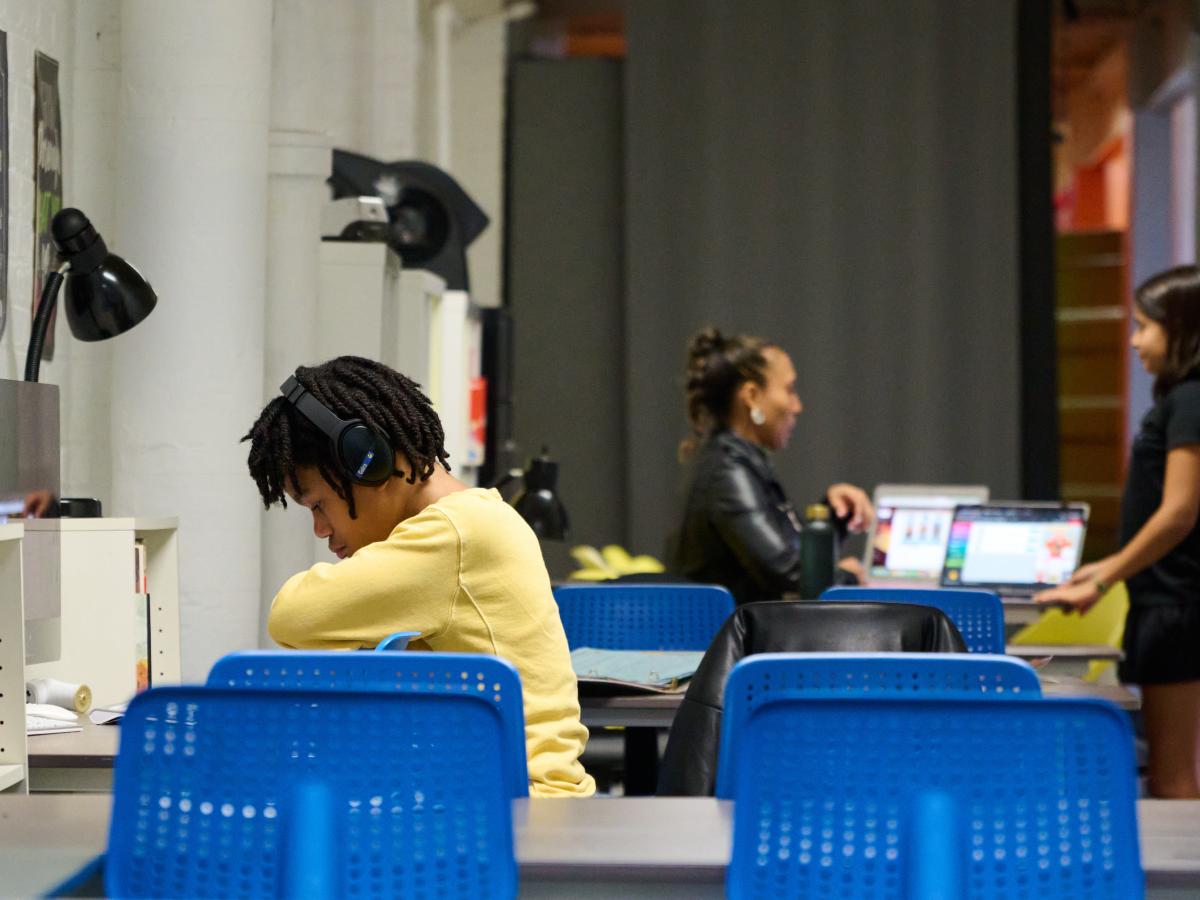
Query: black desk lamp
x=537 y=501
x=105 y=295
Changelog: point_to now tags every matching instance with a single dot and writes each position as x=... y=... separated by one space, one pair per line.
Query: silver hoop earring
x=757 y=416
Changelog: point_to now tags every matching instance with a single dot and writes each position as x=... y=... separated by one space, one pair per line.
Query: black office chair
x=689 y=765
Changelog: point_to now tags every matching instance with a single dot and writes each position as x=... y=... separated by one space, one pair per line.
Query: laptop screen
x=912 y=524
x=1025 y=546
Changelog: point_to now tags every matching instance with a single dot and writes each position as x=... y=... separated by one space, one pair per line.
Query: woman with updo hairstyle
x=739 y=530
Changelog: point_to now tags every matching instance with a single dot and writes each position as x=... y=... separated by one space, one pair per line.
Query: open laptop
x=1015 y=549
x=907 y=543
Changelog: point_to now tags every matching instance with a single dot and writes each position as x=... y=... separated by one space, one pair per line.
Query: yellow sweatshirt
x=467 y=573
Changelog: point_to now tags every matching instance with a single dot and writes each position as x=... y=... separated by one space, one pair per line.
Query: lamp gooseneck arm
x=41 y=322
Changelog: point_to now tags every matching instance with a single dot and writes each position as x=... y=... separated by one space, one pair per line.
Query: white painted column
x=396 y=58
x=90 y=185
x=299 y=165
x=187 y=382
x=300 y=159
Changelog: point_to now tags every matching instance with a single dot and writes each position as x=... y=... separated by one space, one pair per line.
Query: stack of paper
x=655 y=670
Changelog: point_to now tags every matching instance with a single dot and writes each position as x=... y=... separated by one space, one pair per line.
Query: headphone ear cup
x=365 y=455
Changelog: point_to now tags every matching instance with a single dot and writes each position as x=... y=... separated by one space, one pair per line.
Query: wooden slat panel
x=1089 y=462
x=1103 y=524
x=1076 y=337
x=1080 y=245
x=1092 y=286
x=1091 y=425
x=1089 y=373
x=1092 y=333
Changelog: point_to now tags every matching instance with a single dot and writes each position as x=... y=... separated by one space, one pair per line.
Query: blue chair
x=643 y=616
x=775 y=676
x=978 y=615
x=487 y=677
x=397 y=641
x=929 y=796
x=311 y=793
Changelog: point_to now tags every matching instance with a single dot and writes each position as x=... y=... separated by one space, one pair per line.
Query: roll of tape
x=59 y=693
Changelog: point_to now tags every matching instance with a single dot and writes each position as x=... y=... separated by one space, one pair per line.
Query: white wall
x=85 y=39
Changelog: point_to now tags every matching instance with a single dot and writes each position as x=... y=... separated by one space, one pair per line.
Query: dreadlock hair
x=282 y=439
x=1172 y=299
x=717 y=366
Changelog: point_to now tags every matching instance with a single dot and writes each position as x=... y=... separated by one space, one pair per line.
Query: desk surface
x=96 y=745
x=45 y=838
x=1064 y=651
x=658 y=710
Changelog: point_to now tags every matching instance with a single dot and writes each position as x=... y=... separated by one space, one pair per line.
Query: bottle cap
x=818 y=511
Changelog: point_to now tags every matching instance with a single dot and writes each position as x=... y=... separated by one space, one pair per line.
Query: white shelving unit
x=12 y=662
x=99 y=604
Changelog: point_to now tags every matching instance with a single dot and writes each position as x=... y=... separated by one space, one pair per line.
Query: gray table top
x=1065 y=651
x=658 y=710
x=46 y=837
x=96 y=745
x=93 y=747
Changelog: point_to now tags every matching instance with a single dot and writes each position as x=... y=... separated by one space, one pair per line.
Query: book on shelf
x=141 y=617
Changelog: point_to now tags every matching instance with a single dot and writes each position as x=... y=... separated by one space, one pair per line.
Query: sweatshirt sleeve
x=408 y=582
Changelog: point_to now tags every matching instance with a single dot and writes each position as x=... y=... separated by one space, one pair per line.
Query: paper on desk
x=106 y=715
x=34 y=727
x=649 y=668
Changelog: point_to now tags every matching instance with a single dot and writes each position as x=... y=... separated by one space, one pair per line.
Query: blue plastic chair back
x=310 y=793
x=396 y=641
x=978 y=615
x=874 y=797
x=766 y=677
x=643 y=616
x=488 y=677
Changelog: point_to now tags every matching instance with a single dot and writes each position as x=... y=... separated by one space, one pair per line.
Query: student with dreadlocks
x=420 y=551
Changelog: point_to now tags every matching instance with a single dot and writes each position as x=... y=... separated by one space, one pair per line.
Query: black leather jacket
x=689 y=766
x=739 y=530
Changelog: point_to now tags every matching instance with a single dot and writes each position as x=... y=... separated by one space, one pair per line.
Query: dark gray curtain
x=564 y=287
x=838 y=176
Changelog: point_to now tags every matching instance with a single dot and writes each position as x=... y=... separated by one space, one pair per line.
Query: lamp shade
x=105 y=295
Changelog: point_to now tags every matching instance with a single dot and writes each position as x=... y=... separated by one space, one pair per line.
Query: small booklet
x=106 y=715
x=614 y=671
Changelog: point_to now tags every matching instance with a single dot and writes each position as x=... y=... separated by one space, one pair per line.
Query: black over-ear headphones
x=362 y=453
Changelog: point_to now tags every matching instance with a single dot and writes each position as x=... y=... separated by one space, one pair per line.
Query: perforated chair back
x=643 y=616
x=978 y=615
x=774 y=676
x=311 y=793
x=873 y=797
x=410 y=672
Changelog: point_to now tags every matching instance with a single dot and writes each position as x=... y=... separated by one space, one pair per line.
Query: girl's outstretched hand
x=1079 y=596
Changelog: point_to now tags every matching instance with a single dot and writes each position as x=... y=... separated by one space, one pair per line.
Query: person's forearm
x=1162 y=532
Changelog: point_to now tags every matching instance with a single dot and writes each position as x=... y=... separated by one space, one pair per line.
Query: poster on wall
x=47 y=176
x=3 y=181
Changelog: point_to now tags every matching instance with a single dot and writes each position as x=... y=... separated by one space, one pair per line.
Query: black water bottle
x=816 y=552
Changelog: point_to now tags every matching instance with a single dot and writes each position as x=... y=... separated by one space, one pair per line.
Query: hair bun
x=705 y=343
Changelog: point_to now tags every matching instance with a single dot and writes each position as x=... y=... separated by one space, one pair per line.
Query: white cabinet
x=98 y=616
x=100 y=604
x=12 y=661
